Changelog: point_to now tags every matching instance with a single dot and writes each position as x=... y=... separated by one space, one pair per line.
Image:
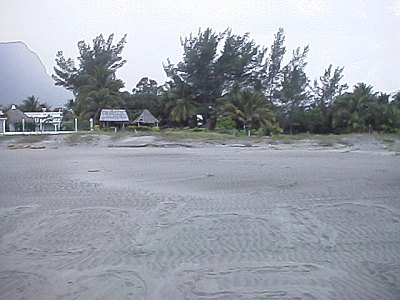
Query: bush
x=274 y=130
x=144 y=128
x=224 y=123
x=259 y=132
x=198 y=129
x=68 y=125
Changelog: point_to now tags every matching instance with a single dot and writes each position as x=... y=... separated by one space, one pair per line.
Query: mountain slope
x=22 y=74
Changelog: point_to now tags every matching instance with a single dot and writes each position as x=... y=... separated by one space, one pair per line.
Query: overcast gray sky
x=363 y=36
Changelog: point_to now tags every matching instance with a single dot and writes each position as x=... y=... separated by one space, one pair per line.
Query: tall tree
x=103 y=54
x=101 y=91
x=197 y=67
x=273 y=66
x=378 y=110
x=146 y=86
x=293 y=94
x=317 y=118
x=93 y=81
x=396 y=100
x=210 y=74
x=146 y=95
x=328 y=87
x=240 y=61
x=392 y=120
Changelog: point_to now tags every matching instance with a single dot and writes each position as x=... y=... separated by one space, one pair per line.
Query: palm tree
x=181 y=105
x=396 y=100
x=249 y=109
x=379 y=110
x=392 y=120
x=31 y=103
x=353 y=111
x=101 y=91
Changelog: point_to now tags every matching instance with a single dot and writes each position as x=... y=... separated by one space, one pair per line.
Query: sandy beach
x=189 y=221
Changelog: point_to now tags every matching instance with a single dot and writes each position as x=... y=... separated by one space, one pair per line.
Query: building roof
x=14 y=115
x=146 y=118
x=114 y=115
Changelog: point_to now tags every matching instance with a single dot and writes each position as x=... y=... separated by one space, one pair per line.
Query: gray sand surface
x=209 y=222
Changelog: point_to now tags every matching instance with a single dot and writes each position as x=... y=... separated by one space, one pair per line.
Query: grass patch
x=395 y=135
x=288 y=139
x=24 y=139
x=81 y=138
x=203 y=135
x=388 y=143
x=390 y=140
x=119 y=135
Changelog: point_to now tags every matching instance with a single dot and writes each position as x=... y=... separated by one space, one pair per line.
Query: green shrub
x=224 y=123
x=259 y=132
x=68 y=125
x=198 y=129
x=144 y=128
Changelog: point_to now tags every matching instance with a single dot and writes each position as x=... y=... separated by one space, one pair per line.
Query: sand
x=201 y=222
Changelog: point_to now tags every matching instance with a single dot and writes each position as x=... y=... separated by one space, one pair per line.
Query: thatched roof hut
x=14 y=116
x=114 y=115
x=146 y=118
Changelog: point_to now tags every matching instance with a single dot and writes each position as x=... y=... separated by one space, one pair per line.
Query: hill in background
x=23 y=74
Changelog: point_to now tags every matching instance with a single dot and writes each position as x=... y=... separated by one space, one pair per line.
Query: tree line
x=230 y=82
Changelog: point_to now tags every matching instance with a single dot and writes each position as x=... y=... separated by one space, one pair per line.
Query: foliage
x=225 y=123
x=103 y=54
x=93 y=81
x=240 y=61
x=32 y=104
x=273 y=76
x=293 y=94
x=328 y=88
x=146 y=95
x=198 y=66
x=313 y=120
x=396 y=100
x=101 y=91
x=352 y=111
x=146 y=86
x=181 y=105
x=211 y=74
x=248 y=108
x=392 y=119
x=231 y=82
